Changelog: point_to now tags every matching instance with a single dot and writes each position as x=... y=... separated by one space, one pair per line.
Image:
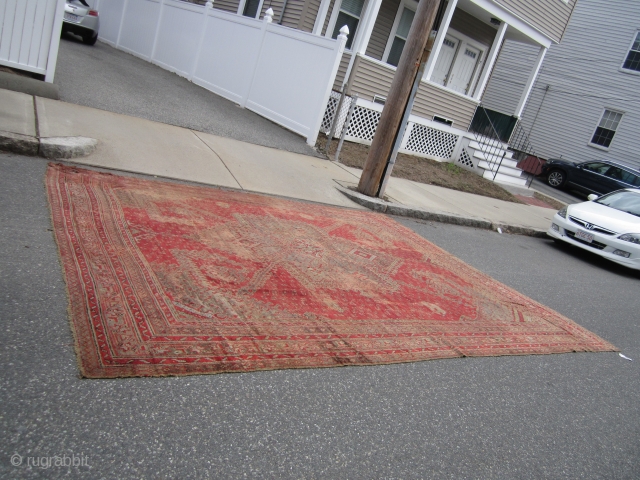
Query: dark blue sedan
x=597 y=177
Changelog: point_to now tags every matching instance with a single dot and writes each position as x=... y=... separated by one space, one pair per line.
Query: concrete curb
x=67 y=147
x=30 y=86
x=52 y=147
x=378 y=205
x=17 y=143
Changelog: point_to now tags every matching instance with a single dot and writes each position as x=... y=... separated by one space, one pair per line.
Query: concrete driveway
x=103 y=77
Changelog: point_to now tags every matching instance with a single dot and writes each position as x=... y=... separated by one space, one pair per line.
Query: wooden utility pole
x=394 y=108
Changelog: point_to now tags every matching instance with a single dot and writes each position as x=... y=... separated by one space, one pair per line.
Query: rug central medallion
x=168 y=279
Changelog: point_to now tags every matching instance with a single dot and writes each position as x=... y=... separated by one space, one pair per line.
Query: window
x=606 y=128
x=632 y=62
x=618 y=173
x=597 y=167
x=398 y=38
x=349 y=15
x=251 y=8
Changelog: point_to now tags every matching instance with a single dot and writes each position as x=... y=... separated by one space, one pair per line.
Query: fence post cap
x=344 y=32
x=209 y=4
x=268 y=15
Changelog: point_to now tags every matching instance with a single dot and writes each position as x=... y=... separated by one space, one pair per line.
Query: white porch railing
x=30 y=35
x=282 y=74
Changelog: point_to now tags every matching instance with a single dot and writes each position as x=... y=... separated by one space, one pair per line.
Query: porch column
x=442 y=31
x=321 y=17
x=491 y=60
x=366 y=28
x=530 y=82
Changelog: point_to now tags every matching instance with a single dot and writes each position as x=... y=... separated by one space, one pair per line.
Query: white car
x=608 y=226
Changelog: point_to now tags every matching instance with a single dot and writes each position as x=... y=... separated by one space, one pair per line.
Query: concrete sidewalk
x=136 y=145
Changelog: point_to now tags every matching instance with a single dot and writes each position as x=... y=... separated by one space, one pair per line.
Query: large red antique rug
x=170 y=279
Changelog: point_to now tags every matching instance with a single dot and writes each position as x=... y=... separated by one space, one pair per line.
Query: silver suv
x=81 y=19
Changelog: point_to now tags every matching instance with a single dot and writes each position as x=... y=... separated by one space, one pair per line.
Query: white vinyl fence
x=283 y=74
x=30 y=35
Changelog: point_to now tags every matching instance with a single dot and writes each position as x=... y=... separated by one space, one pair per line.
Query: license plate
x=584 y=236
x=71 y=17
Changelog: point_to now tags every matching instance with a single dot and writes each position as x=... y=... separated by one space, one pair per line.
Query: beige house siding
x=432 y=100
x=342 y=69
x=369 y=78
x=291 y=15
x=382 y=29
x=461 y=21
x=309 y=14
x=472 y=27
x=227 y=5
x=548 y=16
x=328 y=18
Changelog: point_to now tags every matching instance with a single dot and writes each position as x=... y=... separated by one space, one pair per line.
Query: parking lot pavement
x=564 y=196
x=102 y=77
x=544 y=416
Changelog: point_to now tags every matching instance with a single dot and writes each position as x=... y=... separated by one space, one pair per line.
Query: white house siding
x=584 y=77
x=548 y=16
x=509 y=77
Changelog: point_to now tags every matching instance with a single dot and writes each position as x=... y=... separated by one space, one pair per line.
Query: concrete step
x=507 y=162
x=498 y=149
x=512 y=172
x=507 y=179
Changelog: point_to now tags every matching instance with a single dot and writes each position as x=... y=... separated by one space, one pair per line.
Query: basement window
x=439 y=119
x=379 y=99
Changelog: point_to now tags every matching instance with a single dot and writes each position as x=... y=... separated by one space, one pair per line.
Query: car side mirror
x=592 y=197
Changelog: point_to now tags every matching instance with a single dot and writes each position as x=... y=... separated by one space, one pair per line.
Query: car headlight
x=563 y=212
x=631 y=237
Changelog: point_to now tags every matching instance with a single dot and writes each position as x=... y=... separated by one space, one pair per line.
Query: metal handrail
x=488 y=132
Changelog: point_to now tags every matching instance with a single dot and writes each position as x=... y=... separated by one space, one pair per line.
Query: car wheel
x=89 y=40
x=556 y=178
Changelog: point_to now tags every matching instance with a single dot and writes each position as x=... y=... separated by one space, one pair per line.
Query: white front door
x=457 y=63
x=445 y=59
x=463 y=69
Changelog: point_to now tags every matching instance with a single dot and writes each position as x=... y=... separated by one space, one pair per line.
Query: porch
x=467 y=46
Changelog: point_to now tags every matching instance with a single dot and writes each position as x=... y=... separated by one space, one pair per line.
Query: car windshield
x=623 y=200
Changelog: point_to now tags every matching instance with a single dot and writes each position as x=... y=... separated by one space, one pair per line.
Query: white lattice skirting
x=419 y=139
x=329 y=113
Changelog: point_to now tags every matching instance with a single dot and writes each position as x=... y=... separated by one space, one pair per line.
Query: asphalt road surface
x=102 y=77
x=547 y=416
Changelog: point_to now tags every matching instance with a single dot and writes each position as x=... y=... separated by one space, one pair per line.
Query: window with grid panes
x=400 y=38
x=349 y=15
x=632 y=62
x=606 y=128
